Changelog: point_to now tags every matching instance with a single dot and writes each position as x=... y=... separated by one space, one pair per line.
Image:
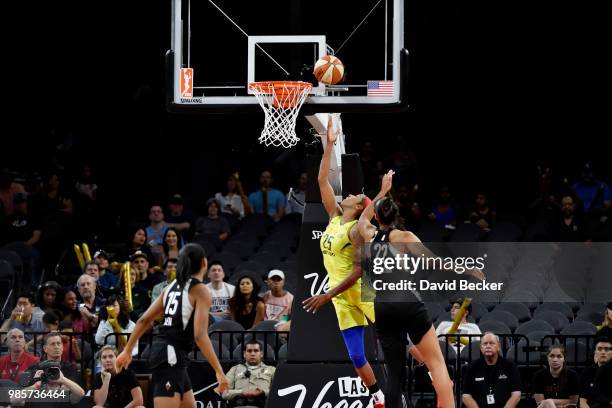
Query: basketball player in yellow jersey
x=340 y=248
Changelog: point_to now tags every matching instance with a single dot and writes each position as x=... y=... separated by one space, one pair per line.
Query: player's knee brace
x=353 y=338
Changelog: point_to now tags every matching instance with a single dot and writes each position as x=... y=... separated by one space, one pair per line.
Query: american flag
x=380 y=88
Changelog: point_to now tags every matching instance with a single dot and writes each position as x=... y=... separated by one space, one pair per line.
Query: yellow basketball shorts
x=351 y=315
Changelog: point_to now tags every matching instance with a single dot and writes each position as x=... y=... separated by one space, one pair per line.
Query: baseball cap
x=177 y=199
x=276 y=272
x=101 y=253
x=138 y=254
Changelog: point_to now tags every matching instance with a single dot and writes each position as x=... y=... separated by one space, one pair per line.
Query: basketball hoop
x=281 y=102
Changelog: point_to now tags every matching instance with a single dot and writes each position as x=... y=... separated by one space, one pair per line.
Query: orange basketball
x=329 y=70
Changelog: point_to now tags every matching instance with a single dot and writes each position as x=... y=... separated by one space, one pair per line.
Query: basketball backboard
x=219 y=46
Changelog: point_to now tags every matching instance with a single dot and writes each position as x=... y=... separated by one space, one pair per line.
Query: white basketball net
x=281 y=102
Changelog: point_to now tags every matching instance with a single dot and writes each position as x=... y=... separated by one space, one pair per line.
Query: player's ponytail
x=387 y=212
x=189 y=262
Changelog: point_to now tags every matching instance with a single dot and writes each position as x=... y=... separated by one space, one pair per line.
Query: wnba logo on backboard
x=186 y=82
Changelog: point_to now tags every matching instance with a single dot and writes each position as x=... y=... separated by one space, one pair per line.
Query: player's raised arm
x=327 y=192
x=366 y=229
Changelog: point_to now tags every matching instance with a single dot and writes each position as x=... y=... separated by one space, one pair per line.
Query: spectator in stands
x=267 y=200
x=8 y=190
x=595 y=195
x=138 y=241
x=178 y=218
x=69 y=377
x=72 y=348
x=232 y=200
x=297 y=197
x=246 y=307
x=491 y=381
x=482 y=214
x=140 y=296
x=113 y=389
x=91 y=303
x=114 y=318
x=46 y=298
x=570 y=226
x=23 y=226
x=172 y=244
x=107 y=280
x=23 y=319
x=557 y=385
x=220 y=291
x=602 y=353
x=69 y=311
x=444 y=213
x=278 y=301
x=18 y=359
x=249 y=382
x=212 y=226
x=463 y=328
x=86 y=184
x=92 y=269
x=50 y=324
x=155 y=232
x=605 y=329
x=140 y=263
x=169 y=274
x=602 y=392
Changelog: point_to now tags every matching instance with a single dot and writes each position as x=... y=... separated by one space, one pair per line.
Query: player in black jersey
x=397 y=318
x=184 y=305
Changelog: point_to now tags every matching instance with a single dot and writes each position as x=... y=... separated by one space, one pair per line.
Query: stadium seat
x=288 y=267
x=537 y=335
x=223 y=355
x=270 y=339
x=580 y=327
x=434 y=310
x=504 y=232
x=494 y=327
x=225 y=325
x=229 y=261
x=266 y=258
x=577 y=353
x=7 y=275
x=562 y=308
x=208 y=247
x=478 y=310
x=466 y=232
x=501 y=316
x=535 y=325
x=519 y=310
x=243 y=250
x=254 y=267
x=282 y=249
x=556 y=319
x=431 y=232
x=520 y=356
x=266 y=325
x=471 y=352
x=448 y=351
x=590 y=316
x=282 y=353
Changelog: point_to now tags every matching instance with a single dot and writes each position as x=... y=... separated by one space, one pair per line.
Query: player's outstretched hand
x=331 y=135
x=387 y=182
x=123 y=361
x=223 y=384
x=312 y=304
